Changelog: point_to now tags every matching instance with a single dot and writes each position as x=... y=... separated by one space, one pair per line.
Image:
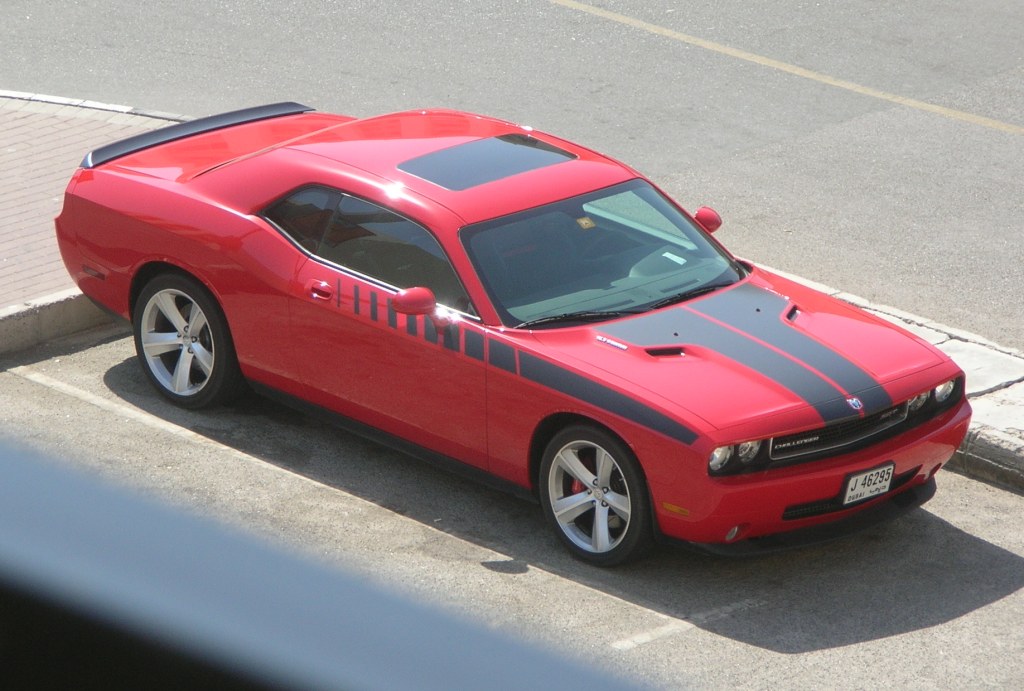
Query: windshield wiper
x=583 y=316
x=688 y=294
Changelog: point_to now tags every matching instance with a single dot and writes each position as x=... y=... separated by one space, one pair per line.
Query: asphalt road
x=934 y=600
x=875 y=147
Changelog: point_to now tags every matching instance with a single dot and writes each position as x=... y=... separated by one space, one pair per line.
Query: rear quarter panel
x=117 y=223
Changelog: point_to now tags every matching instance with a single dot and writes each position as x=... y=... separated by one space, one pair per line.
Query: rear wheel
x=594 y=494
x=183 y=343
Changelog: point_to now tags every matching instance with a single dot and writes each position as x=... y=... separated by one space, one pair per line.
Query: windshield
x=619 y=250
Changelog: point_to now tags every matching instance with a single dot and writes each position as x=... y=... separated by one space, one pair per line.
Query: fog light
x=719 y=457
x=736 y=532
x=944 y=391
x=919 y=400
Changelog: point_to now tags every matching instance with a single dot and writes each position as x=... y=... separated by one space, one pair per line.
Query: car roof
x=476 y=166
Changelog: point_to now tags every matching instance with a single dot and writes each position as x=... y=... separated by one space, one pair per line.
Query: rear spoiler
x=188 y=129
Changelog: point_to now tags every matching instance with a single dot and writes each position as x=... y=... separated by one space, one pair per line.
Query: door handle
x=319 y=290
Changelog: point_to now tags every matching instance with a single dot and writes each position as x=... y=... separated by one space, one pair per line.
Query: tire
x=594 y=494
x=183 y=343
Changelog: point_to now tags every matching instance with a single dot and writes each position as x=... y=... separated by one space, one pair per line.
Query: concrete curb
x=991 y=456
x=995 y=373
x=92 y=105
x=44 y=319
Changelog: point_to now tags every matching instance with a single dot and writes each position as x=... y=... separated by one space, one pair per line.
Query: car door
x=419 y=377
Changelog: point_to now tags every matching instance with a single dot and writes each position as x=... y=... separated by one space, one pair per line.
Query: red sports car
x=511 y=304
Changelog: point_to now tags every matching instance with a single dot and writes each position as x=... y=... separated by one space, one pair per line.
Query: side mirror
x=415 y=301
x=708 y=218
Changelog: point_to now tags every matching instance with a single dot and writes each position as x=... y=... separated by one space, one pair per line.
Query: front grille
x=843 y=436
x=835 y=436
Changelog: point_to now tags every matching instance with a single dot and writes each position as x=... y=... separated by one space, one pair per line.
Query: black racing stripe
x=679 y=325
x=758 y=312
x=429 y=330
x=451 y=337
x=355 y=298
x=373 y=305
x=392 y=315
x=571 y=384
x=474 y=347
x=411 y=322
x=501 y=356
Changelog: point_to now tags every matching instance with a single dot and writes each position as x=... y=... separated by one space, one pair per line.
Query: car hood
x=761 y=349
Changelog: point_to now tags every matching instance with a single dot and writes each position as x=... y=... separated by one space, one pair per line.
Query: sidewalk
x=43 y=139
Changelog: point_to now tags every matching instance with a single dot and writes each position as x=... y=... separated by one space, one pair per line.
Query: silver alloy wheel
x=589 y=496
x=177 y=342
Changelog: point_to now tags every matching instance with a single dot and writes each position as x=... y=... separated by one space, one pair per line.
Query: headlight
x=719 y=457
x=748 y=450
x=918 y=401
x=944 y=391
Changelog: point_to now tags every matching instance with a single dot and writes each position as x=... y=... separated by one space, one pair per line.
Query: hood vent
x=667 y=351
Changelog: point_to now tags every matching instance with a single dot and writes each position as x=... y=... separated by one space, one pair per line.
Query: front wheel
x=594 y=494
x=183 y=343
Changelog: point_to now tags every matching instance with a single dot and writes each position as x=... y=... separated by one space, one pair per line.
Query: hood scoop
x=666 y=351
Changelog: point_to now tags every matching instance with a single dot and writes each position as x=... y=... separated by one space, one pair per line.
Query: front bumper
x=895 y=506
x=721 y=512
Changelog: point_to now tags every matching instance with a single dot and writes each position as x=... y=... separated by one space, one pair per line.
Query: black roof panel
x=484 y=160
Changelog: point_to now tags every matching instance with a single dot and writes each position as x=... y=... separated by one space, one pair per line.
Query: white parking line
x=652 y=635
x=134 y=414
x=679 y=625
x=795 y=70
x=110 y=406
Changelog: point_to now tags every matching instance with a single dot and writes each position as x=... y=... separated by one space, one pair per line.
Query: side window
x=370 y=240
x=304 y=215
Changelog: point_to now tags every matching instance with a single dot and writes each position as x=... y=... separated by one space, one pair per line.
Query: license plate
x=869 y=484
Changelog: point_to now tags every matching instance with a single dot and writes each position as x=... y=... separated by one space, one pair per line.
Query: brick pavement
x=41 y=144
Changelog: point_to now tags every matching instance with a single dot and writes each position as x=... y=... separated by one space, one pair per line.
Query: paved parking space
x=932 y=600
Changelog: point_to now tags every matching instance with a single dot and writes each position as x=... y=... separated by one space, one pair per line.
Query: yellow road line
x=792 y=69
